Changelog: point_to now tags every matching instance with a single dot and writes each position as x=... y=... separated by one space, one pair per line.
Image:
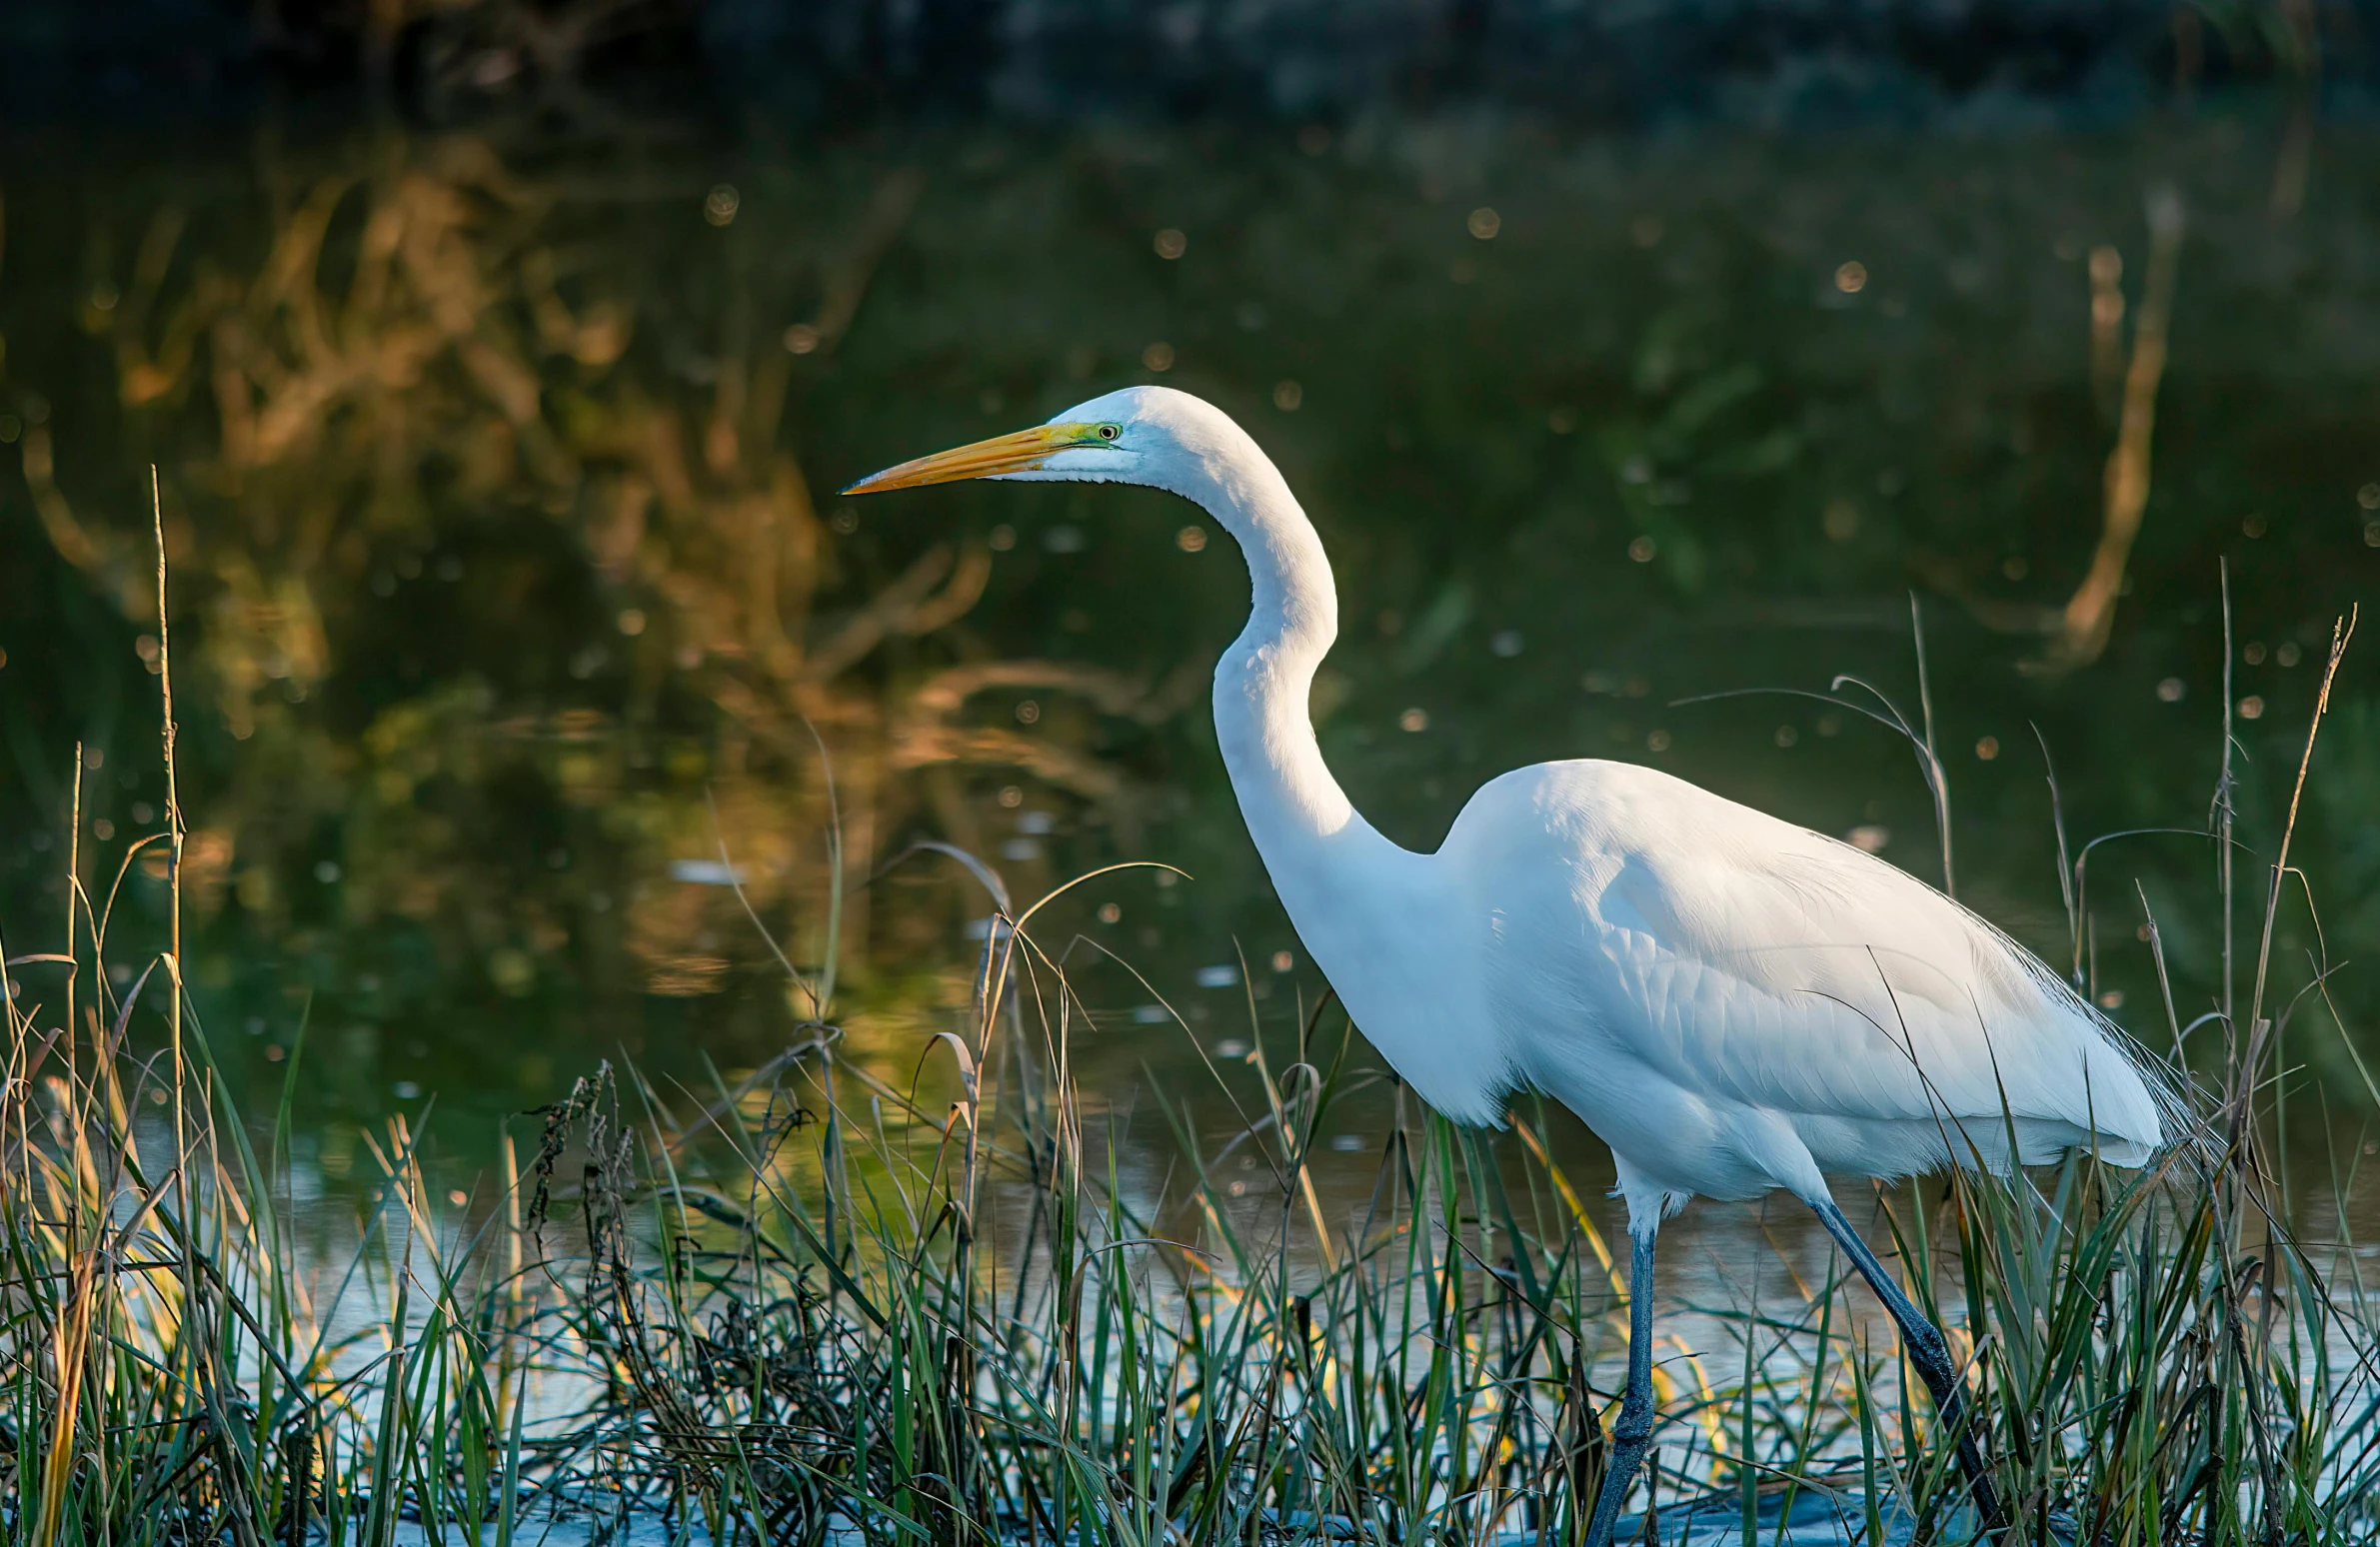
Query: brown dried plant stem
x=70 y=1338
x=174 y=831
x=210 y=1379
x=2260 y=1027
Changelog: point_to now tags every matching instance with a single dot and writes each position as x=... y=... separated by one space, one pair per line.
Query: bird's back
x=1648 y=938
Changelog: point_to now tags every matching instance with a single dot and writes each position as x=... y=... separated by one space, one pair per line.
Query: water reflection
x=517 y=616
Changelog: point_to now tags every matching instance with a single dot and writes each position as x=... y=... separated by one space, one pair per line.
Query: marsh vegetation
x=554 y=750
x=813 y=1303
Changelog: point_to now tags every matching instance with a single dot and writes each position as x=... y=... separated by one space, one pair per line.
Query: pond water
x=497 y=467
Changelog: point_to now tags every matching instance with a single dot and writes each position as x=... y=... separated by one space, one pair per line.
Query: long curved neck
x=1375 y=918
x=1300 y=818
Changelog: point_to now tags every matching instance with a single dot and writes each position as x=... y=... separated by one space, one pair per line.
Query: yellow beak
x=1020 y=451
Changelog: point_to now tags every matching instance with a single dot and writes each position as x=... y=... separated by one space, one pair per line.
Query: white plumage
x=1755 y=1004
x=1731 y=1002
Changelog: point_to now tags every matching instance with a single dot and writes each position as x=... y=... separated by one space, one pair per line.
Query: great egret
x=1733 y=1003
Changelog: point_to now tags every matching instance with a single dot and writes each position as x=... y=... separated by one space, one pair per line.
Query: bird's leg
x=1632 y=1436
x=1931 y=1354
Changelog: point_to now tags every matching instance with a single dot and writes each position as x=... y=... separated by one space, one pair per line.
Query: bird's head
x=1141 y=435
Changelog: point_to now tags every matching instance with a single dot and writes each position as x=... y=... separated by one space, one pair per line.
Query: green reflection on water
x=498 y=475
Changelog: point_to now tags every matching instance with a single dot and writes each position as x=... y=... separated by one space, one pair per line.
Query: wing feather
x=1756 y=962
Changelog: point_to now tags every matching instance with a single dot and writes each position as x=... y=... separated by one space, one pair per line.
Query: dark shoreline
x=837 y=64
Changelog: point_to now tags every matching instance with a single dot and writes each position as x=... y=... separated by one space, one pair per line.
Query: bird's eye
x=1109 y=431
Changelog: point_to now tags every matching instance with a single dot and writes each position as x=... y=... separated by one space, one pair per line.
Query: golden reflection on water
x=427 y=329
x=490 y=470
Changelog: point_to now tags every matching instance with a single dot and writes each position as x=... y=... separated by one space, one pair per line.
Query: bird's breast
x=1408 y=972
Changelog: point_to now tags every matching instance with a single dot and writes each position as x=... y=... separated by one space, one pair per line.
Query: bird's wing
x=1758 y=961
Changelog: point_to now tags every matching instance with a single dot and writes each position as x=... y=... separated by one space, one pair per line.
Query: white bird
x=1733 y=1003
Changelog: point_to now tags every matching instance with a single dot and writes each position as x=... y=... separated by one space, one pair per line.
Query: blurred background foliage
x=498 y=415
x=828 y=62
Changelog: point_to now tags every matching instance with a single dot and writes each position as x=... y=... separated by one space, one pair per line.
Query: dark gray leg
x=1931 y=1355
x=1632 y=1436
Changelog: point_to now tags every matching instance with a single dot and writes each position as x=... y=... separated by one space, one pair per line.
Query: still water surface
x=498 y=471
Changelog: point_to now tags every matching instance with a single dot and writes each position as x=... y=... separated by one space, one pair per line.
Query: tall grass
x=818 y=1303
